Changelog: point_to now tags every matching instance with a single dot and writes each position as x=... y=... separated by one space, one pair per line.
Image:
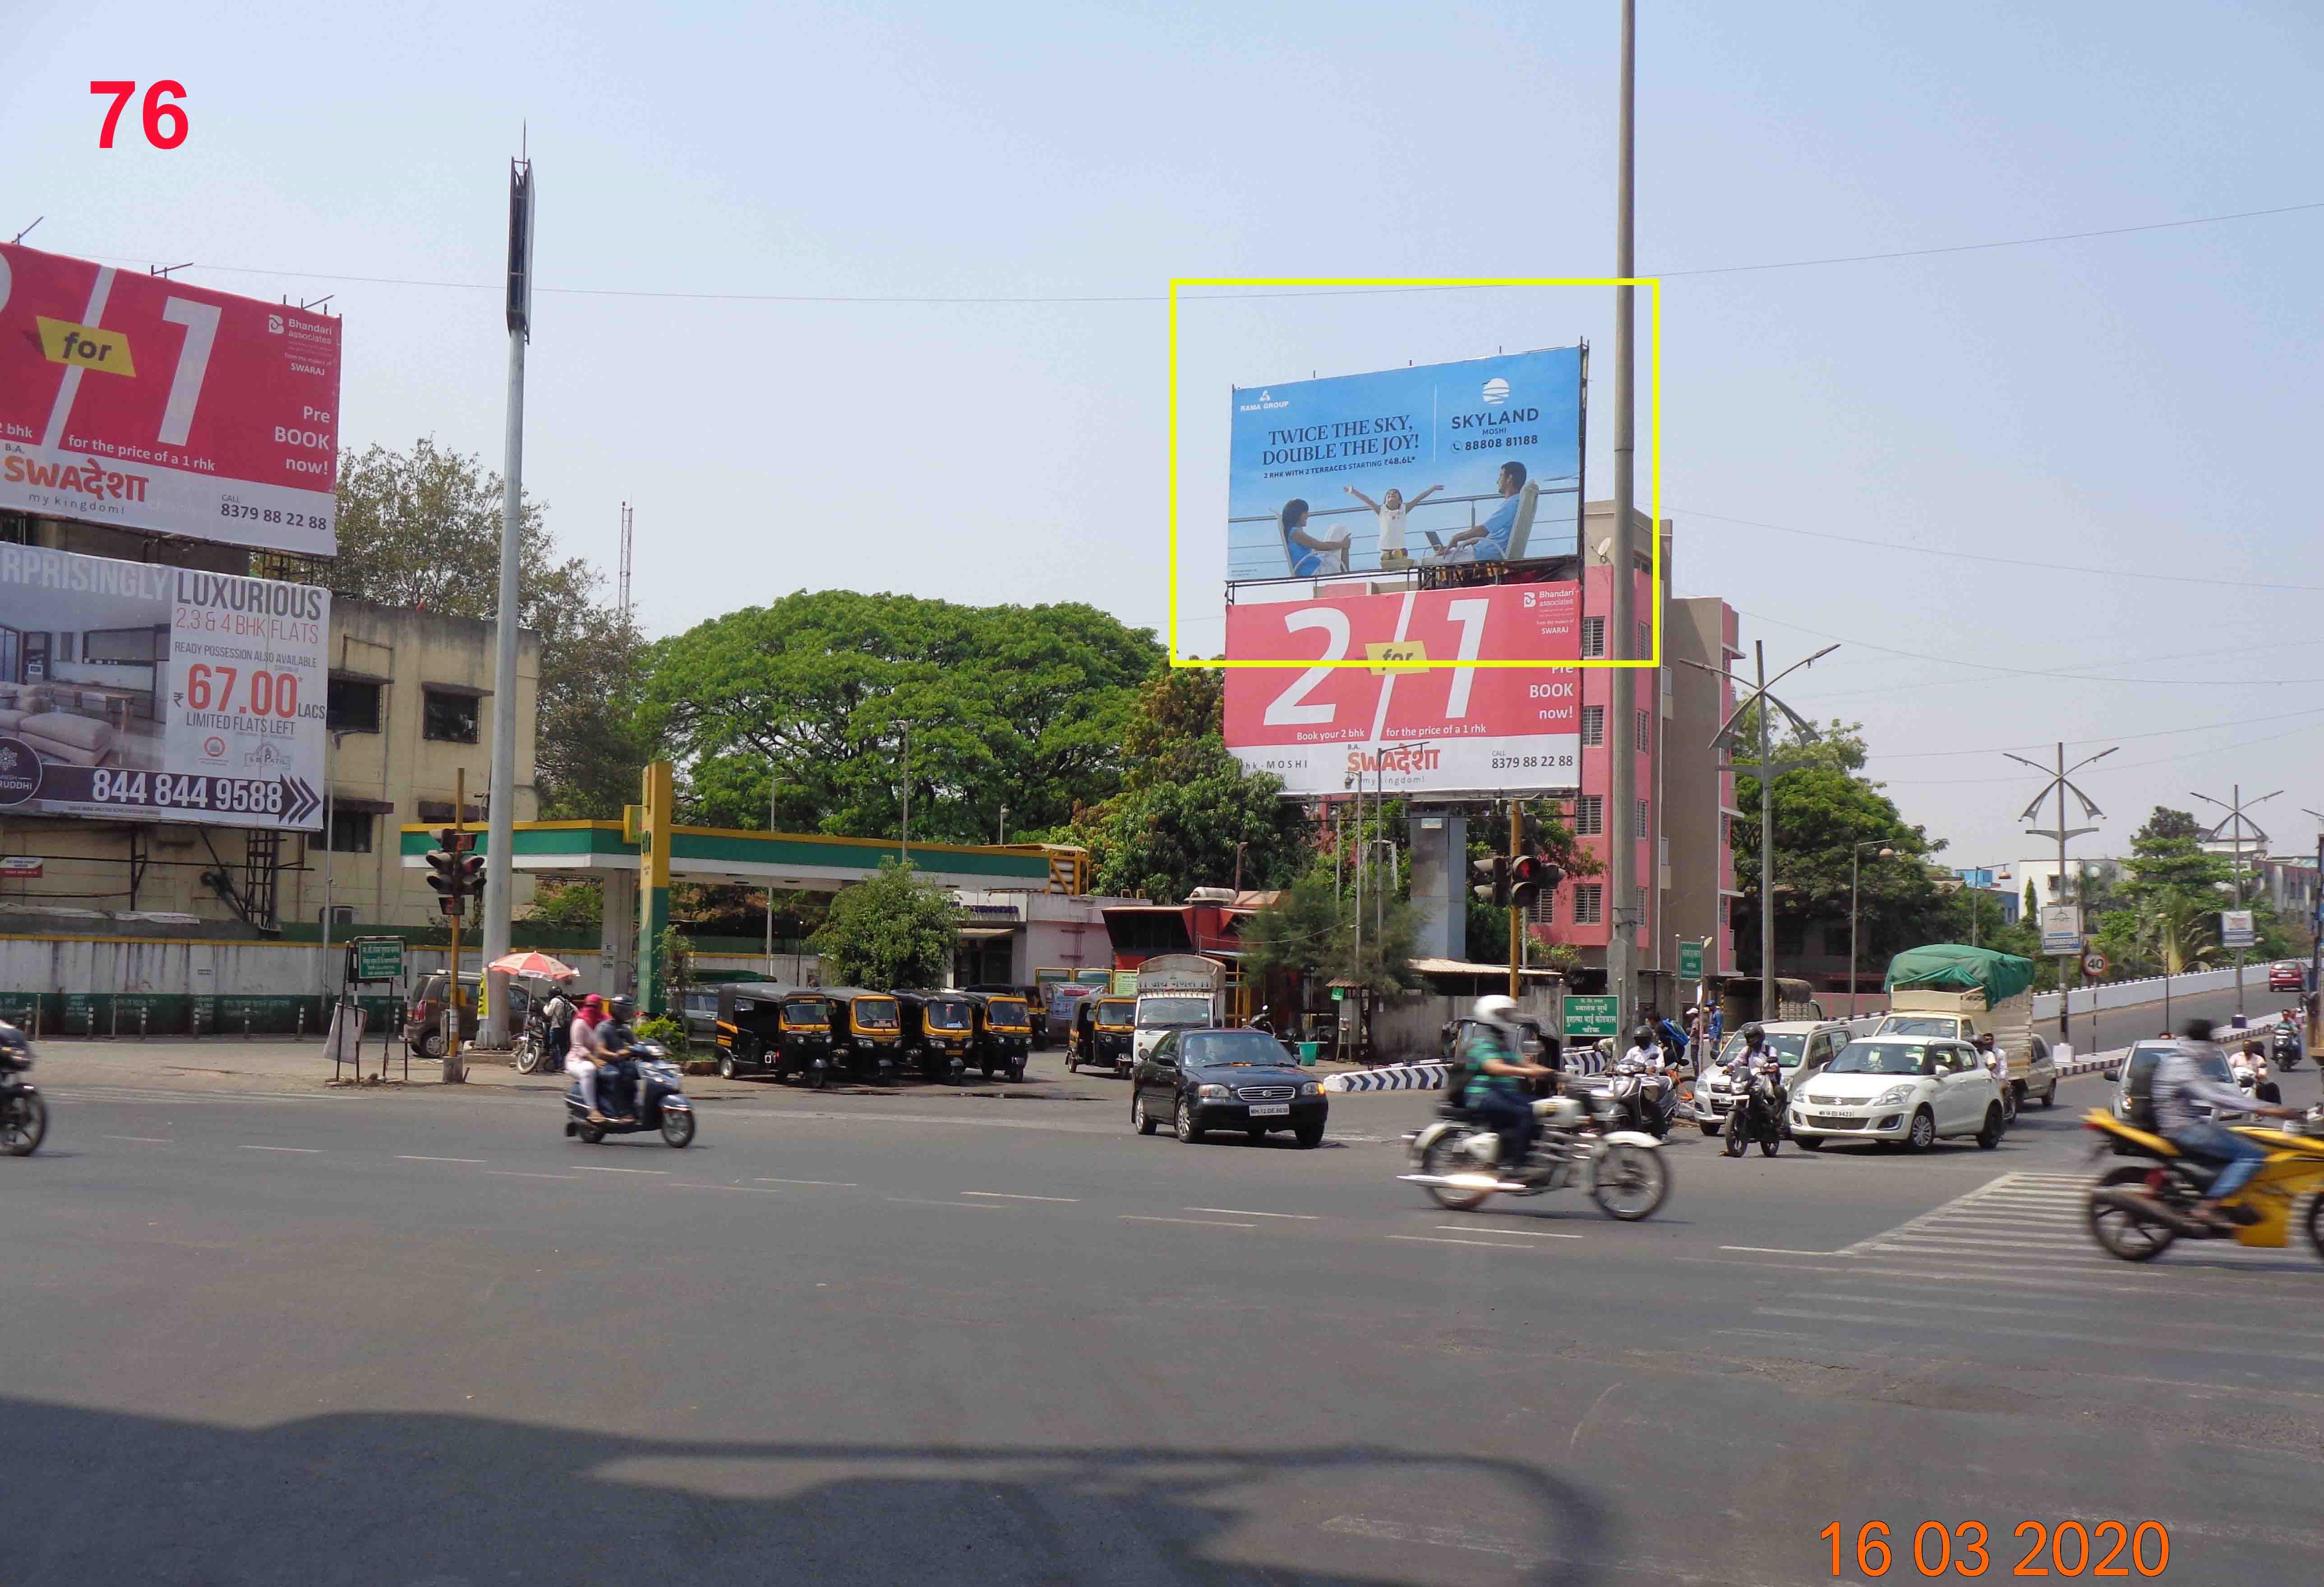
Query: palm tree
x=2177 y=932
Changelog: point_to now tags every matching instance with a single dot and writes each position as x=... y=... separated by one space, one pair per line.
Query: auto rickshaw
x=867 y=1032
x=1004 y=1032
x=772 y=1028
x=1104 y=1033
x=939 y=1033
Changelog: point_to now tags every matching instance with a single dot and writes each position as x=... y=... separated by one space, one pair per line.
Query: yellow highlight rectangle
x=1408 y=655
x=105 y=351
x=1654 y=439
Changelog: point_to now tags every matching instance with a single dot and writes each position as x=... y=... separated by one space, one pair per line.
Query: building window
x=350 y=831
x=1641 y=818
x=1593 y=726
x=1543 y=910
x=1589 y=903
x=1644 y=725
x=447 y=718
x=1639 y=906
x=1646 y=639
x=1588 y=814
x=1593 y=636
x=353 y=707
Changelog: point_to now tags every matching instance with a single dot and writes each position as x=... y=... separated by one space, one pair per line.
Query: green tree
x=1186 y=804
x=570 y=905
x=1823 y=811
x=889 y=930
x=1312 y=930
x=811 y=698
x=423 y=529
x=1489 y=835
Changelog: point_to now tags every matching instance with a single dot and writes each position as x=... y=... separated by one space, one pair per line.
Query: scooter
x=2283 y=1045
x=661 y=1102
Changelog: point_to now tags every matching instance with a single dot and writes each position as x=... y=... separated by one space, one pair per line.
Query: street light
x=1002 y=839
x=1855 y=857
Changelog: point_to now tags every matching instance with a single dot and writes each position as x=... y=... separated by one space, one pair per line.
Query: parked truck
x=1948 y=990
x=1178 y=992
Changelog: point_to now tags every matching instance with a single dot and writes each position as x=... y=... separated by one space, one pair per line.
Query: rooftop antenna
x=21 y=235
x=317 y=303
x=163 y=269
x=621 y=584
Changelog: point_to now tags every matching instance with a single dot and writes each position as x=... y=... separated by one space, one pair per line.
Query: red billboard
x=1411 y=723
x=132 y=400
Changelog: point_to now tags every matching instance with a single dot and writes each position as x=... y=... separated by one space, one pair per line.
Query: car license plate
x=1267 y=1109
x=1828 y=1121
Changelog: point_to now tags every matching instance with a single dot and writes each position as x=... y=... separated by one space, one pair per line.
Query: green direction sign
x=377 y=958
x=1591 y=1016
x=1690 y=961
x=1339 y=994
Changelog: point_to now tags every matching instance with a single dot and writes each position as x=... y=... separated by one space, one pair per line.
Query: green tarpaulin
x=1950 y=966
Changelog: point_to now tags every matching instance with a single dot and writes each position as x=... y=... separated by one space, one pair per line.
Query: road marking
x=1243 y=1213
x=519 y=1174
x=1778 y=1250
x=408 y=1158
x=148 y=1140
x=699 y=1184
x=1483 y=1228
x=1012 y=1195
x=832 y=1184
x=981 y=1206
x=1954 y=1306
x=1206 y=1222
x=1440 y=1240
x=307 y=1150
x=592 y=1168
x=2112 y=1341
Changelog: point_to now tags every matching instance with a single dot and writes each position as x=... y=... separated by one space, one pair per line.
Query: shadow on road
x=403 y=1499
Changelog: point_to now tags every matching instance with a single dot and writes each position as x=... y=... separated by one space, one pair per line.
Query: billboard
x=1424 y=727
x=2236 y=928
x=160 y=694
x=135 y=400
x=2062 y=929
x=1475 y=461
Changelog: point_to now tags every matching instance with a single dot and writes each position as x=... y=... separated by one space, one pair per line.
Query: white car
x=2035 y=1080
x=1900 y=1088
x=1802 y=1047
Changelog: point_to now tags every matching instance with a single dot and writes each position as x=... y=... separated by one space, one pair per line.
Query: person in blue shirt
x=1312 y=556
x=1489 y=540
x=1497 y=1073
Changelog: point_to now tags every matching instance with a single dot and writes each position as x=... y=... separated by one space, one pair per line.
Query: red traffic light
x=1531 y=877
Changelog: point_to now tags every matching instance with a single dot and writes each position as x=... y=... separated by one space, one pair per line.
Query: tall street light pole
x=2308 y=1001
x=500 y=873
x=2233 y=825
x=1767 y=770
x=1621 y=742
x=2060 y=787
x=1855 y=855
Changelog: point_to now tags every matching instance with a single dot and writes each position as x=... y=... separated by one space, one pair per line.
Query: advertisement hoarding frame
x=1654 y=364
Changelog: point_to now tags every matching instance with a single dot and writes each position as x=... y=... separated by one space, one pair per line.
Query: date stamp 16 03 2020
x=2065 y=1548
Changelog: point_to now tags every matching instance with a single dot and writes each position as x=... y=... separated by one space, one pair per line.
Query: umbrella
x=534 y=963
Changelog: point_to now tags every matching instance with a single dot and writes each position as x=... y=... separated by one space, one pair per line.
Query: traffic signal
x=1531 y=878
x=455 y=869
x=1491 y=877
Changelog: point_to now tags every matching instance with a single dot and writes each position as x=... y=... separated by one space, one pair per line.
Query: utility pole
x=499 y=875
x=621 y=584
x=774 y=789
x=2308 y=1000
x=1854 y=858
x=1767 y=770
x=2058 y=786
x=1621 y=740
x=904 y=843
x=1516 y=925
x=2234 y=824
x=456 y=1068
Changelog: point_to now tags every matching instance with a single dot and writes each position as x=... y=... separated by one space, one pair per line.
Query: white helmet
x=1496 y=1010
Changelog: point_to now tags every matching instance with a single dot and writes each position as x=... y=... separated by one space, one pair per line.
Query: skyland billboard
x=135 y=400
x=160 y=694
x=1446 y=463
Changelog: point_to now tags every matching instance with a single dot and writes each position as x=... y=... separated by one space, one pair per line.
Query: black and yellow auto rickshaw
x=767 y=1026
x=939 y=1032
x=1104 y=1033
x=867 y=1032
x=1004 y=1032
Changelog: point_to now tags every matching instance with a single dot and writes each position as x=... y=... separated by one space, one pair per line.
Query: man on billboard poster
x=1489 y=540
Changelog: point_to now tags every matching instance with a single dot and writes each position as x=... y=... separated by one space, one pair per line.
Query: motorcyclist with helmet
x=617 y=1081
x=1495 y=1090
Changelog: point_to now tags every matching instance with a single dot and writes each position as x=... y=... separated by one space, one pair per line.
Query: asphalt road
x=411 y=1338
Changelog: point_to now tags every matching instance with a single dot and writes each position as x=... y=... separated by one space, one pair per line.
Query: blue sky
x=2141 y=404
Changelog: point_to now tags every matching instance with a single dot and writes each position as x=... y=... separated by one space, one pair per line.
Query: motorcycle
x=23 y=1112
x=1647 y=1097
x=2137 y=1210
x=1578 y=1142
x=661 y=1102
x=1758 y=1113
x=2283 y=1046
x=532 y=1053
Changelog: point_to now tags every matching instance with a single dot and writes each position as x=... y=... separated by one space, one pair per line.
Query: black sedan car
x=1197 y=1081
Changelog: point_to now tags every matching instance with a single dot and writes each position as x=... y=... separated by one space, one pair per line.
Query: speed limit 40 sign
x=2094 y=963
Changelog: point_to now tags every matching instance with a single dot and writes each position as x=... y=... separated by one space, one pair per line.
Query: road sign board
x=2062 y=929
x=2236 y=928
x=1592 y=1016
x=1690 y=961
x=376 y=958
x=2094 y=963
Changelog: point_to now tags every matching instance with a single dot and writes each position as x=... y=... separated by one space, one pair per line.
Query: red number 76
x=153 y=113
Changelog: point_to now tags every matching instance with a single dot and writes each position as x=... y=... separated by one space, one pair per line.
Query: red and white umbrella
x=530 y=963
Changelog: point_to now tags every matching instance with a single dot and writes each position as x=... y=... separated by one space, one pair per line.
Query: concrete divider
x=1431 y=1077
